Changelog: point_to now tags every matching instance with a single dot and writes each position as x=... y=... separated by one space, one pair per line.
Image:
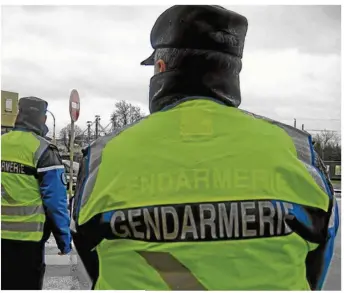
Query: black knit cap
x=203 y=27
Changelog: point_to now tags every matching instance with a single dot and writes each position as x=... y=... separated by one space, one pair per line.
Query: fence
x=334 y=169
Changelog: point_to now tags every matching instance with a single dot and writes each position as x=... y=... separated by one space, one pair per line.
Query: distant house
x=9 y=110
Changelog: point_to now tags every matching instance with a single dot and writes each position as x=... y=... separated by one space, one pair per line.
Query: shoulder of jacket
x=46 y=147
x=53 y=147
x=6 y=135
x=305 y=151
x=302 y=139
x=41 y=139
x=292 y=131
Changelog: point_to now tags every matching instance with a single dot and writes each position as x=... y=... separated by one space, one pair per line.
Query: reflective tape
x=22 y=226
x=22 y=211
x=172 y=271
x=333 y=213
x=43 y=145
x=316 y=176
x=40 y=170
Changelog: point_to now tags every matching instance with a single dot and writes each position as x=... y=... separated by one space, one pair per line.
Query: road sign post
x=74 y=111
x=71 y=154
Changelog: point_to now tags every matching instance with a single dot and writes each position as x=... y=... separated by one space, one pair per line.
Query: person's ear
x=160 y=66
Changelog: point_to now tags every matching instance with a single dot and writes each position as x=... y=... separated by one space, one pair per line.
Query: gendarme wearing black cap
x=200 y=28
x=32 y=115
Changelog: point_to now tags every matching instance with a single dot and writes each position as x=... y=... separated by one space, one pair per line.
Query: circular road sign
x=74 y=105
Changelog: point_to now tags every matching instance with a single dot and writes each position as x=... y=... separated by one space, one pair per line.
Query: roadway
x=63 y=272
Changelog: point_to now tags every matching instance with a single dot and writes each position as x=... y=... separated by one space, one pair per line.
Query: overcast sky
x=291 y=63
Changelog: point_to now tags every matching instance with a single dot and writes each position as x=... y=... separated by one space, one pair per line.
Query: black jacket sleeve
x=318 y=261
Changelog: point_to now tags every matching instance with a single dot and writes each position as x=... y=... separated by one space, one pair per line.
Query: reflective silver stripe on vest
x=95 y=159
x=6 y=196
x=333 y=213
x=316 y=176
x=43 y=145
x=22 y=226
x=21 y=211
x=174 y=273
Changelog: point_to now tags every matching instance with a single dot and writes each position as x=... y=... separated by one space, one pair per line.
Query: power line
x=320 y=130
x=311 y=119
x=320 y=119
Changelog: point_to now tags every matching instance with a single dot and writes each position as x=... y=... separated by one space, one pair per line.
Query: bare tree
x=65 y=135
x=336 y=140
x=326 y=139
x=125 y=113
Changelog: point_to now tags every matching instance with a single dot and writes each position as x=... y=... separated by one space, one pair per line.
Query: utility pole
x=89 y=130
x=97 y=125
x=294 y=122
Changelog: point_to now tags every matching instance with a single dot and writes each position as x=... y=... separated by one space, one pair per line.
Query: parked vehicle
x=66 y=164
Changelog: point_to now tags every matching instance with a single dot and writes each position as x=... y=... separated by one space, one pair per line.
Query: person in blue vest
x=33 y=199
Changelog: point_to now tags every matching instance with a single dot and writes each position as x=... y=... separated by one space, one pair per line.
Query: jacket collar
x=28 y=123
x=170 y=87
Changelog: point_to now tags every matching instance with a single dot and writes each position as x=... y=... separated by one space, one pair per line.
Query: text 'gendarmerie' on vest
x=203 y=221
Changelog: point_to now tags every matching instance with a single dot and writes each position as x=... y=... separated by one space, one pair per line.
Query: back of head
x=32 y=115
x=201 y=47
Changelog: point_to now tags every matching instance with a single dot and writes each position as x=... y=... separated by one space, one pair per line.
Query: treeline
x=124 y=113
x=328 y=145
